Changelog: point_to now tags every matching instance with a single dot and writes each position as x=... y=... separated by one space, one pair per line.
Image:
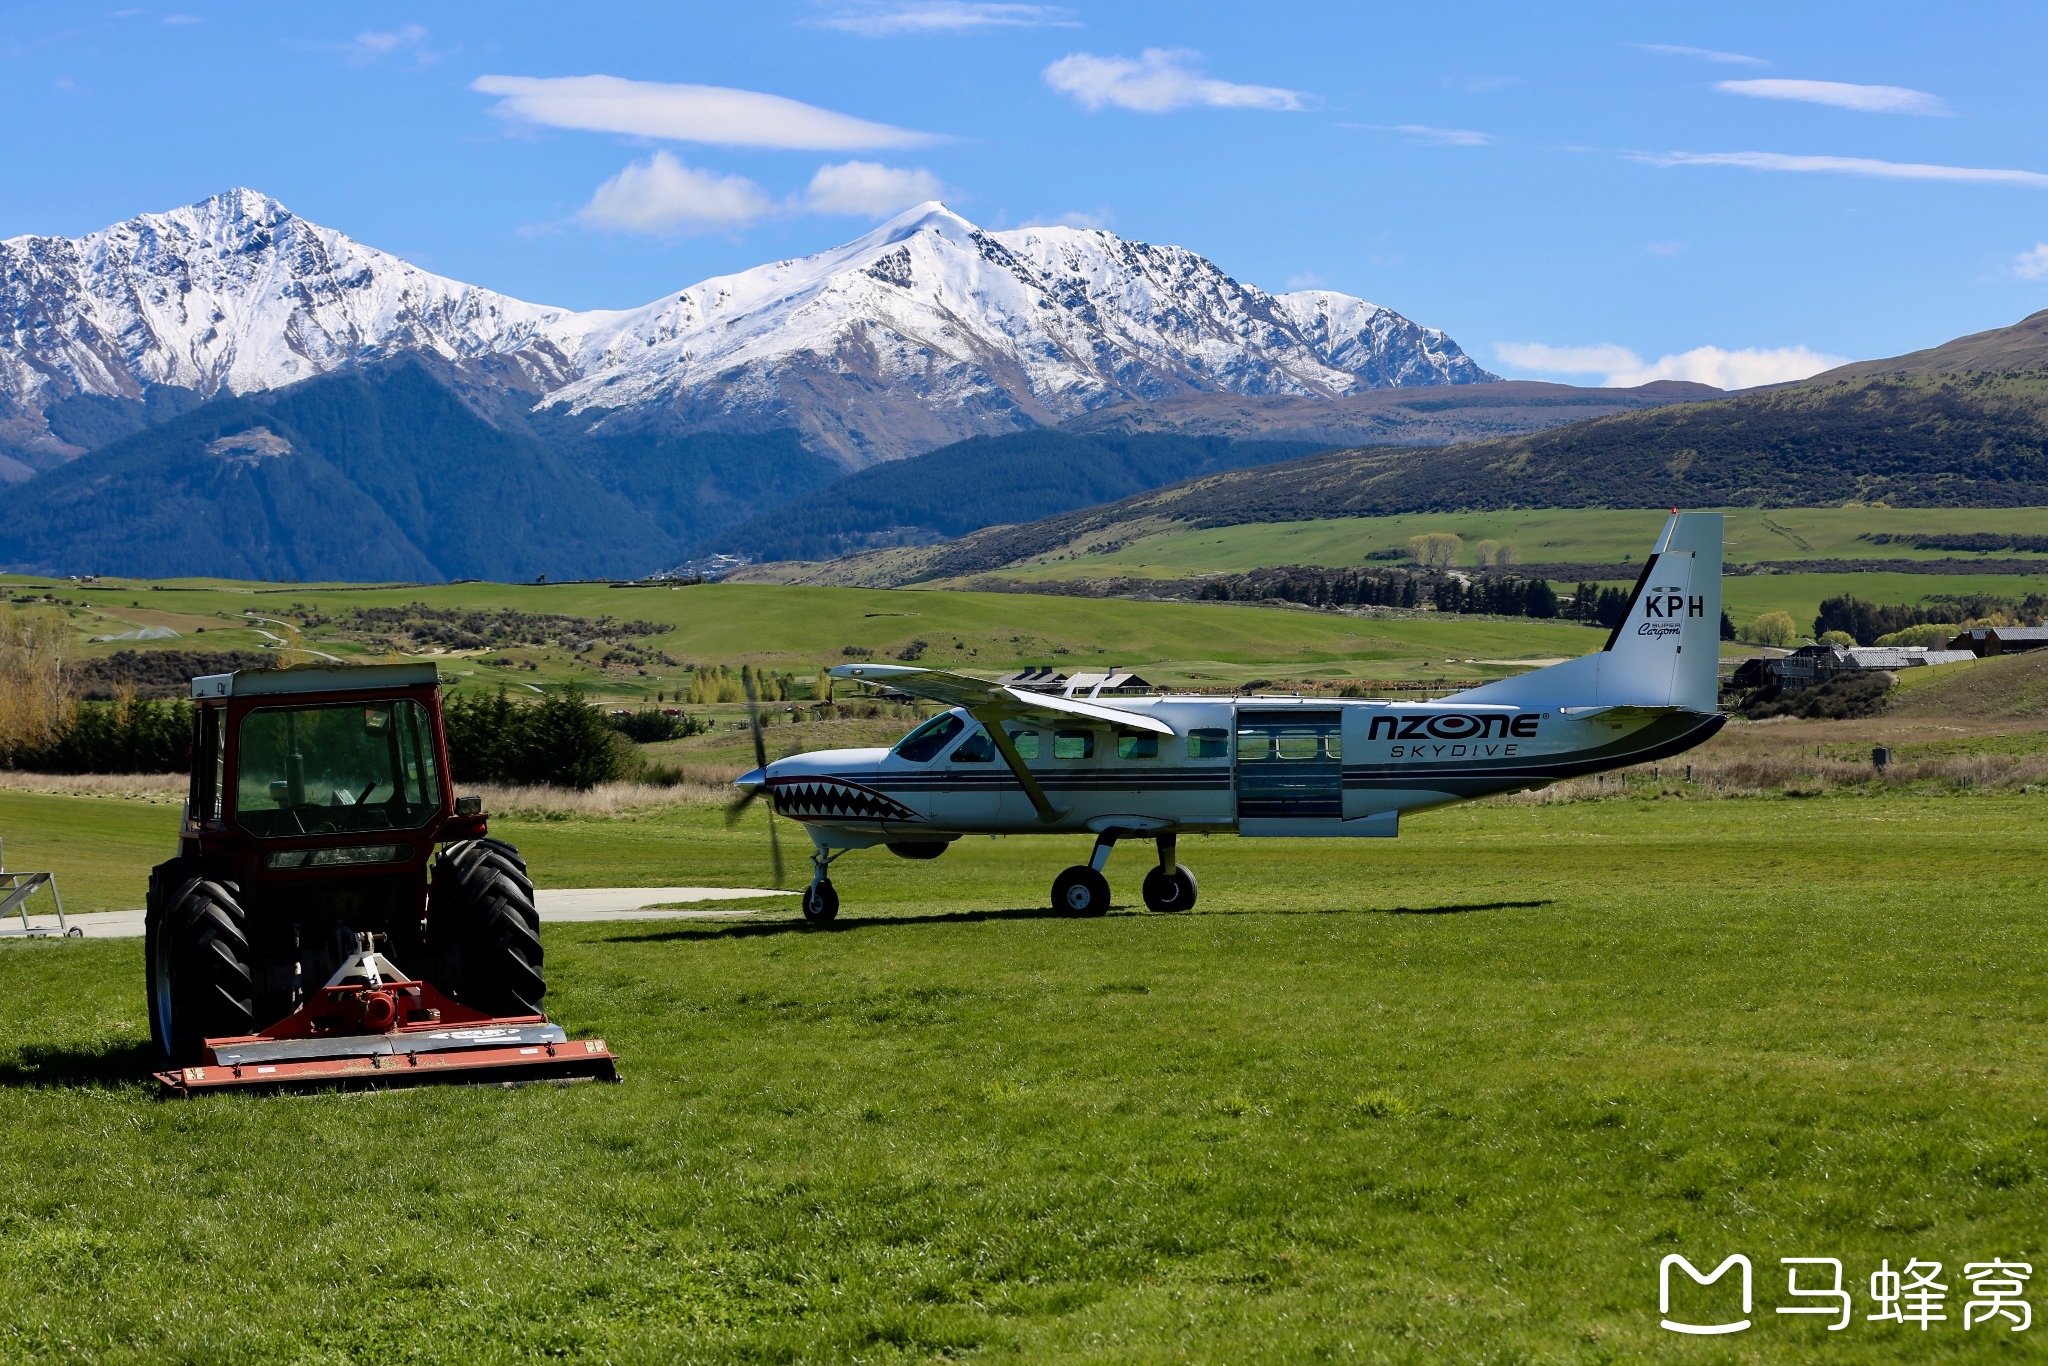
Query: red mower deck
x=373 y=1027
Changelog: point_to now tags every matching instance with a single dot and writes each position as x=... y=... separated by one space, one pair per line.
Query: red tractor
x=335 y=913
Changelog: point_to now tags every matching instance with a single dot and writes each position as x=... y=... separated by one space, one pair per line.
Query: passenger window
x=1333 y=746
x=1026 y=742
x=975 y=749
x=1137 y=747
x=1253 y=745
x=1209 y=743
x=922 y=745
x=1073 y=744
x=1294 y=744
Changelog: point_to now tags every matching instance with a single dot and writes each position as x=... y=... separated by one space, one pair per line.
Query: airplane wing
x=991 y=702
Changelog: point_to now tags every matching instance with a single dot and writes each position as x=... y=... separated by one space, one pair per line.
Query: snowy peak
x=921 y=331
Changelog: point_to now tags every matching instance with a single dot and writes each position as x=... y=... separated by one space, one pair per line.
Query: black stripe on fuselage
x=1659 y=740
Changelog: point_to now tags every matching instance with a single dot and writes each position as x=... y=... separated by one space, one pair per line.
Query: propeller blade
x=737 y=807
x=754 y=722
x=774 y=845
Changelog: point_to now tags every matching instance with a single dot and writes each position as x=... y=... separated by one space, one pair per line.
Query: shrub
x=1838 y=638
x=649 y=726
x=557 y=741
x=1932 y=635
x=1842 y=698
x=123 y=736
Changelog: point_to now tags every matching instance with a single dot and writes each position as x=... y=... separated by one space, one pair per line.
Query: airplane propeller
x=739 y=805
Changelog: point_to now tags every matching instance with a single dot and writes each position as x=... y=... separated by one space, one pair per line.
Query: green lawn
x=1450 y=1097
x=1585 y=535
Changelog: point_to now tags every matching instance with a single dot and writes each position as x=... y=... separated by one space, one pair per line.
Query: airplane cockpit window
x=1073 y=744
x=975 y=749
x=1209 y=742
x=922 y=745
x=1026 y=742
x=1137 y=747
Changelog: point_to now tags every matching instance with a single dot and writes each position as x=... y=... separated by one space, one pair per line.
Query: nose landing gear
x=821 y=899
x=1083 y=890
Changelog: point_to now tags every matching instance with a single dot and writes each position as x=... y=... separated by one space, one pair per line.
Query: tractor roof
x=348 y=678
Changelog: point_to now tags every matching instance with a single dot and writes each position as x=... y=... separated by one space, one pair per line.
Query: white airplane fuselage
x=1254 y=765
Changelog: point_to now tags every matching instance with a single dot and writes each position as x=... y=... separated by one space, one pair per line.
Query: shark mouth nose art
x=812 y=798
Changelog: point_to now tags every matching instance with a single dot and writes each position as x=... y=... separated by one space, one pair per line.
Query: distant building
x=2000 y=640
x=1039 y=678
x=1044 y=678
x=1811 y=664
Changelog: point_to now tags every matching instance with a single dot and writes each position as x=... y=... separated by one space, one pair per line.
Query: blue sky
x=1572 y=192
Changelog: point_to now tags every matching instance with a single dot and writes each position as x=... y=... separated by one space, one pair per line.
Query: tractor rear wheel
x=196 y=946
x=481 y=910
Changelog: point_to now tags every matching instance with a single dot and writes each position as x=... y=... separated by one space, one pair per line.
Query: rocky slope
x=923 y=331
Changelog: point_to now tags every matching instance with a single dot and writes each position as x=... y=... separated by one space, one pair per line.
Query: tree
x=1483 y=554
x=1773 y=628
x=1838 y=638
x=1435 y=550
x=35 y=706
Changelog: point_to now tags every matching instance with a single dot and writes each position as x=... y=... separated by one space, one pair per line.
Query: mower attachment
x=371 y=1026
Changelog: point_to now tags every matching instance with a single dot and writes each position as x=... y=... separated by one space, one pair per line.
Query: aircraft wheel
x=1173 y=891
x=1081 y=891
x=821 y=902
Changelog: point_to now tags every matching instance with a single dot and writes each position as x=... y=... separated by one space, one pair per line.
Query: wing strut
x=992 y=723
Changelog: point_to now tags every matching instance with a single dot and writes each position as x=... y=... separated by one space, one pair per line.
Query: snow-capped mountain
x=923 y=331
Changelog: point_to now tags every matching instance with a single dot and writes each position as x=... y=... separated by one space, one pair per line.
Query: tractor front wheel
x=196 y=945
x=481 y=910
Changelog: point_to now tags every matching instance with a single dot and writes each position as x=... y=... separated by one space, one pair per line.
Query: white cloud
x=1703 y=53
x=1158 y=81
x=944 y=16
x=662 y=197
x=1864 y=166
x=687 y=113
x=1624 y=369
x=2032 y=265
x=1445 y=137
x=1567 y=360
x=1865 y=99
x=372 y=44
x=869 y=188
x=1101 y=218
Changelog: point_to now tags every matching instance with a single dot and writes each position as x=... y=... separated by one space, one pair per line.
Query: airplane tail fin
x=1667 y=650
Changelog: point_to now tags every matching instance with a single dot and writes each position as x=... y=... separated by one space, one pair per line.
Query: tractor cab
x=321 y=826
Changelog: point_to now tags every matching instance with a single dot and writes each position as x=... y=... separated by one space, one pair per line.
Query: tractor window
x=1208 y=742
x=1137 y=747
x=975 y=749
x=327 y=770
x=1073 y=744
x=1026 y=742
x=922 y=745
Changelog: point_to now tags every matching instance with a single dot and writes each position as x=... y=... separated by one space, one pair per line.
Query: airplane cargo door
x=1290 y=764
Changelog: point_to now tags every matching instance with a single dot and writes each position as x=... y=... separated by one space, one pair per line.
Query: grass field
x=1583 y=535
x=789 y=627
x=1450 y=1097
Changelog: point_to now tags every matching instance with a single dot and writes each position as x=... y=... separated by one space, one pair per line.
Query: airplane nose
x=751 y=780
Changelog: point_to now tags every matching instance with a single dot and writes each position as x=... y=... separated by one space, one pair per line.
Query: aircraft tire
x=1080 y=891
x=1175 y=891
x=821 y=902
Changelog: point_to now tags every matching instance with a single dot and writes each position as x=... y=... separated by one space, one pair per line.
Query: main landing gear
x=1083 y=890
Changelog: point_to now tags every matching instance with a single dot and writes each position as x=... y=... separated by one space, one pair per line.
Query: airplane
x=1006 y=760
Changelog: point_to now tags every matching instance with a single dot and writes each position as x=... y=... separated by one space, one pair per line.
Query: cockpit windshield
x=326 y=770
x=922 y=745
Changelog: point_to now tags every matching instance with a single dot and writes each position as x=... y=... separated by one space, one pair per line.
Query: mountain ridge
x=922 y=331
